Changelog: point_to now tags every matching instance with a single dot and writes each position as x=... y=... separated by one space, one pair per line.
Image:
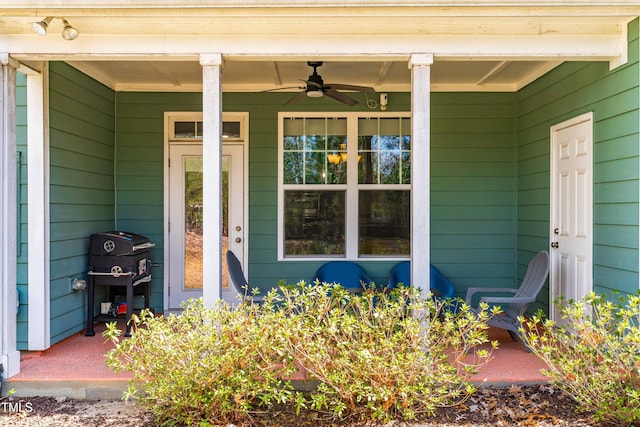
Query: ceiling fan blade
x=281 y=88
x=340 y=97
x=312 y=84
x=340 y=86
x=295 y=98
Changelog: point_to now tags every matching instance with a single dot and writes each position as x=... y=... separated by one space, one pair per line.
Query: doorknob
x=238 y=240
x=554 y=245
x=556 y=231
x=238 y=228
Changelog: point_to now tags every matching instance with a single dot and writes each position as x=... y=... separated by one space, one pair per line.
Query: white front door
x=571 y=209
x=185 y=220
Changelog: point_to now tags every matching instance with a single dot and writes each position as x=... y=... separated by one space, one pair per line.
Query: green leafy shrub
x=594 y=356
x=204 y=366
x=383 y=355
x=377 y=355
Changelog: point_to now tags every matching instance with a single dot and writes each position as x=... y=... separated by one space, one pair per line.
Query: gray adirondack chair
x=515 y=306
x=236 y=274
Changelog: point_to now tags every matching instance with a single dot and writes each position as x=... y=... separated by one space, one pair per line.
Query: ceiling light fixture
x=68 y=33
x=40 y=27
x=315 y=93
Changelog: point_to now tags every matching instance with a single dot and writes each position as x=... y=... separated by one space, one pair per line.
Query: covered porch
x=481 y=90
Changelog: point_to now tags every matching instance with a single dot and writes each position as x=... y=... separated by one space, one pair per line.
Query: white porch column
x=38 y=212
x=9 y=356
x=211 y=170
x=420 y=65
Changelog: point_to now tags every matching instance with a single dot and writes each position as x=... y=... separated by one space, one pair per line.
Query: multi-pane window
x=313 y=149
x=187 y=127
x=384 y=145
x=344 y=185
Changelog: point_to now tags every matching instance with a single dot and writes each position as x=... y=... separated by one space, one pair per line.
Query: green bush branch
x=593 y=354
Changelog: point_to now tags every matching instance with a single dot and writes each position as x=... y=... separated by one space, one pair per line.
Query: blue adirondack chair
x=441 y=287
x=345 y=273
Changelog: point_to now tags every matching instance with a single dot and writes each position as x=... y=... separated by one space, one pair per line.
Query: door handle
x=238 y=240
x=554 y=245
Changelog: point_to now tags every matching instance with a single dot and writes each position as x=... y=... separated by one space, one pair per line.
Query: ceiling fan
x=315 y=88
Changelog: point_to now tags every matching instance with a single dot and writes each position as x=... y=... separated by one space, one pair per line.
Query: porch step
x=73 y=389
x=114 y=389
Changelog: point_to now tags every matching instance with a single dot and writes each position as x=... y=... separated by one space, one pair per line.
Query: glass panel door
x=186 y=220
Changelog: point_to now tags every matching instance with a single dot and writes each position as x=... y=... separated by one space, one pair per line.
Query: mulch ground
x=539 y=406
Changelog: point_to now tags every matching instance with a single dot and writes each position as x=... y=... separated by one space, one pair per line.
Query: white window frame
x=352 y=187
x=195 y=116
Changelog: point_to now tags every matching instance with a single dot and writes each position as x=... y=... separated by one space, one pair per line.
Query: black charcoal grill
x=118 y=258
x=119 y=252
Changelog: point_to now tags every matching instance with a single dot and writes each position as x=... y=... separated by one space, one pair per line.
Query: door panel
x=185 y=219
x=571 y=210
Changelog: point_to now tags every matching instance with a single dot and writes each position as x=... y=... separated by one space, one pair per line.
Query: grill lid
x=119 y=243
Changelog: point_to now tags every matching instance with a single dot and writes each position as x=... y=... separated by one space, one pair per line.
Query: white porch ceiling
x=253 y=76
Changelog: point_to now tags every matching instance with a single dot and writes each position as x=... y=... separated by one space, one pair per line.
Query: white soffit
x=255 y=76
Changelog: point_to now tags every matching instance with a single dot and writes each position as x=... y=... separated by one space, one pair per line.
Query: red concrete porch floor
x=75 y=368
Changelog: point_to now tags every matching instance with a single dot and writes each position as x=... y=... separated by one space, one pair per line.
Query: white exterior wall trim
x=9 y=356
x=39 y=335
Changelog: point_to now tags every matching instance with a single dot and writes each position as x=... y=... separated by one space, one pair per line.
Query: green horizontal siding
x=472 y=188
x=82 y=134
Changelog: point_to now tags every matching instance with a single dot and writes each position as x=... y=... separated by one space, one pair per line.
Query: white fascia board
x=548 y=47
x=103 y=4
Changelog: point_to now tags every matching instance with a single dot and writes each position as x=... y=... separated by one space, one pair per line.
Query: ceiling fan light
x=69 y=32
x=334 y=158
x=40 y=27
x=315 y=93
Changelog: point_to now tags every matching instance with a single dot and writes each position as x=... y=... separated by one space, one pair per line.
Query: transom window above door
x=187 y=127
x=344 y=185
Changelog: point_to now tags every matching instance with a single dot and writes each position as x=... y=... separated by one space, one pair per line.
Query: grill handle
x=146 y=245
x=96 y=273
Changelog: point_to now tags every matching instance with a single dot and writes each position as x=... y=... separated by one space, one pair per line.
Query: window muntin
x=332 y=208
